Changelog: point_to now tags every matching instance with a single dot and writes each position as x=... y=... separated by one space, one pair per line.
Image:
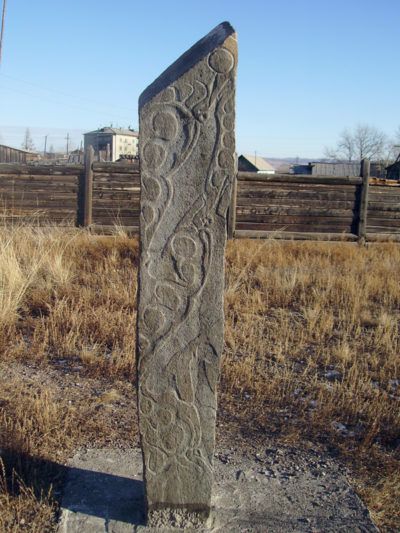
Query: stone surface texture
x=279 y=490
x=188 y=163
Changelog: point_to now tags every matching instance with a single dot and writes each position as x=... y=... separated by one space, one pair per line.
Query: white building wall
x=125 y=145
x=120 y=144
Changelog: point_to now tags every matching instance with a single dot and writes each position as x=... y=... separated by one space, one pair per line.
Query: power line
x=69 y=95
x=51 y=100
x=3 y=18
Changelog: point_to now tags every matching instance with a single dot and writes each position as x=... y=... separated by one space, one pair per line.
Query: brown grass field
x=311 y=358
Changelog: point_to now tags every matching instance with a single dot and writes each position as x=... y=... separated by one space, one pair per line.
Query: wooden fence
x=109 y=194
x=101 y=195
x=316 y=207
x=41 y=193
x=291 y=206
x=383 y=217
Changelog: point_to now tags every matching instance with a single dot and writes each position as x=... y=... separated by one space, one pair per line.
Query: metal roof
x=259 y=162
x=19 y=149
x=114 y=131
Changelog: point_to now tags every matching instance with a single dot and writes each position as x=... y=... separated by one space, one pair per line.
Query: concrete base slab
x=276 y=490
x=103 y=492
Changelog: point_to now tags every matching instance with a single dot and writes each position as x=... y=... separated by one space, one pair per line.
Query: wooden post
x=363 y=207
x=232 y=210
x=87 y=203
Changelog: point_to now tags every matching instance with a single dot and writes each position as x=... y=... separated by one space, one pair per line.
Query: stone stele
x=188 y=164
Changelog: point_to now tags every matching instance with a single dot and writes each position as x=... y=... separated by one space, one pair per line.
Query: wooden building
x=254 y=163
x=328 y=169
x=15 y=155
x=393 y=171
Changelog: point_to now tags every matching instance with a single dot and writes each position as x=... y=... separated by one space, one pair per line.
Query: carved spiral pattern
x=170 y=419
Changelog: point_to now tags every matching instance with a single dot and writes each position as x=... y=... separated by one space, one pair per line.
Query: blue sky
x=307 y=68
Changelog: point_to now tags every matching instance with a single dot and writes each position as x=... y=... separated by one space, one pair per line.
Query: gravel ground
x=256 y=490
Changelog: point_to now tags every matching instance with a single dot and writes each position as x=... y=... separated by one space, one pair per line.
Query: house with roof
x=111 y=144
x=393 y=170
x=255 y=163
x=317 y=168
x=76 y=156
x=8 y=154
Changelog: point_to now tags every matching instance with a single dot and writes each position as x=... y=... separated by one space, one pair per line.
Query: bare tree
x=396 y=140
x=363 y=141
x=370 y=142
x=393 y=148
x=345 y=148
x=28 y=141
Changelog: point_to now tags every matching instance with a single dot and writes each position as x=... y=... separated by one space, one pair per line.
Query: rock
x=341 y=428
x=240 y=475
x=188 y=164
x=333 y=375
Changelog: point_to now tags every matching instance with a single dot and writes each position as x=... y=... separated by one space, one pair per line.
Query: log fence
x=284 y=206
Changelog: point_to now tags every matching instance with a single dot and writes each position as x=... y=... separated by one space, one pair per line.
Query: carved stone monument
x=188 y=163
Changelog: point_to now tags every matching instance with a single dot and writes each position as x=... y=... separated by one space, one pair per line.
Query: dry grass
x=313 y=353
x=312 y=344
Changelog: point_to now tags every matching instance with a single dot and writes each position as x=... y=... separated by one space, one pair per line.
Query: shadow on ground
x=103 y=495
x=276 y=489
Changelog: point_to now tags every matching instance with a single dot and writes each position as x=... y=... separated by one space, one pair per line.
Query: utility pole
x=3 y=18
x=67 y=139
x=45 y=145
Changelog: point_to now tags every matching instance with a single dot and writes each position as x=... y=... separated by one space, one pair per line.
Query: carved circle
x=221 y=61
x=183 y=246
x=228 y=140
x=165 y=125
x=218 y=177
x=174 y=438
x=188 y=272
x=153 y=318
x=153 y=189
x=154 y=155
x=146 y=406
x=225 y=159
x=229 y=106
x=228 y=123
x=148 y=214
x=165 y=417
x=167 y=296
